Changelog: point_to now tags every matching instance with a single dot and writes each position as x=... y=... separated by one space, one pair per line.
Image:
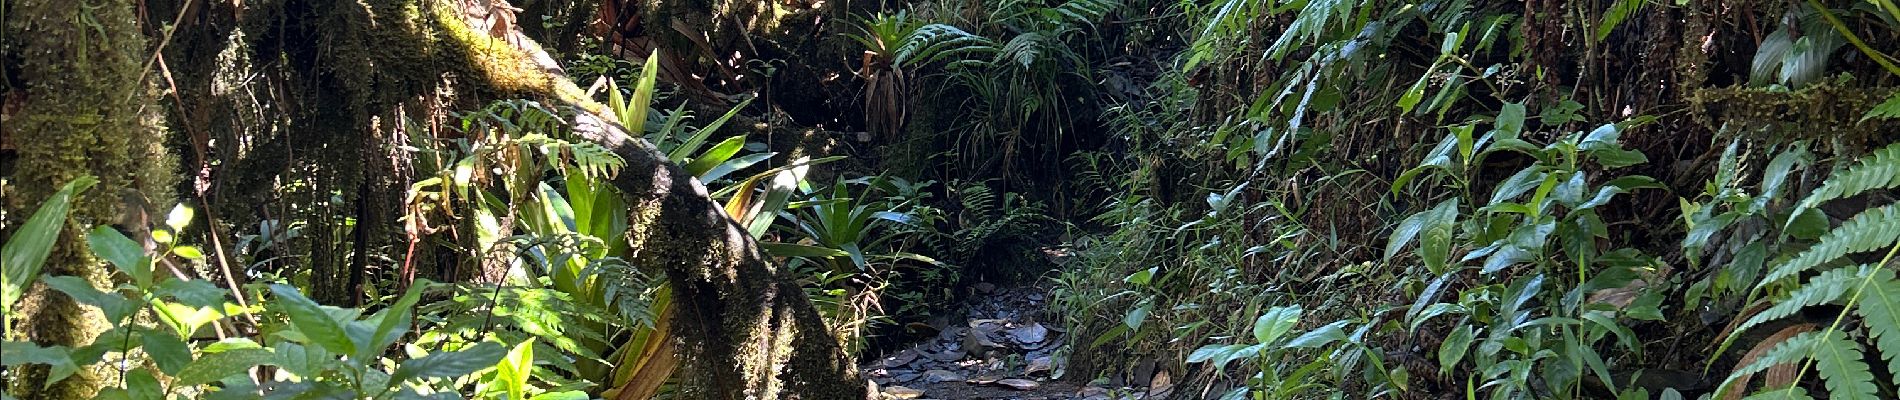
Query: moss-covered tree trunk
x=747 y=329
x=79 y=65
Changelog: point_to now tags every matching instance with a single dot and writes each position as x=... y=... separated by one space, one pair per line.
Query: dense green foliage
x=1267 y=199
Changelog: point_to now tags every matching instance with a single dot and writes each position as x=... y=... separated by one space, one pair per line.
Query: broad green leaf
x=734 y=165
x=213 y=367
x=394 y=320
x=1141 y=278
x=312 y=321
x=124 y=253
x=189 y=252
x=19 y=353
x=513 y=371
x=142 y=385
x=450 y=364
x=1321 y=336
x=168 y=351
x=193 y=292
x=28 y=248
x=1135 y=316
x=116 y=307
x=1511 y=118
x=1453 y=349
x=1275 y=323
x=565 y=395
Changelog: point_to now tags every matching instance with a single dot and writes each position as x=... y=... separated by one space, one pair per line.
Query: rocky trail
x=1002 y=344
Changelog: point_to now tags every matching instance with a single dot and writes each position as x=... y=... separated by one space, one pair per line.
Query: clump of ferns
x=984 y=220
x=1867 y=295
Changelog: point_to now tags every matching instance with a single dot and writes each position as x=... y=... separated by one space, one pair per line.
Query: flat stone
x=1019 y=384
x=984 y=287
x=905 y=377
x=1033 y=334
x=900 y=359
x=1039 y=364
x=900 y=392
x=938 y=375
x=946 y=356
x=985 y=379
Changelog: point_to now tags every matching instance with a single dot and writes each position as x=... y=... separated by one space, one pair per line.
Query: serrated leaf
x=1824 y=288
x=1880 y=170
x=1838 y=359
x=1880 y=310
x=1872 y=229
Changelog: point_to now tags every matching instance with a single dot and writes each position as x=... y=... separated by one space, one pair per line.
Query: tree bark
x=79 y=72
x=750 y=331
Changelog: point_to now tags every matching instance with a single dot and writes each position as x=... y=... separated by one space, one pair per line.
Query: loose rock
x=1019 y=384
x=900 y=392
x=938 y=375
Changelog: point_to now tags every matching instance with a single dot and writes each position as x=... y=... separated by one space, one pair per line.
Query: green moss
x=81 y=66
x=1829 y=111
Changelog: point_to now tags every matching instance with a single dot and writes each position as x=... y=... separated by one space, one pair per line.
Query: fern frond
x=1825 y=288
x=1880 y=310
x=1838 y=359
x=934 y=42
x=594 y=161
x=1880 y=170
x=1793 y=350
x=1869 y=230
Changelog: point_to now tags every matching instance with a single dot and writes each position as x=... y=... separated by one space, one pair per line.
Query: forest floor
x=1001 y=344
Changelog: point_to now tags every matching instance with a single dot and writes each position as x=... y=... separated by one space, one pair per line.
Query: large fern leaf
x=1880 y=170
x=1838 y=359
x=1793 y=350
x=1872 y=229
x=1880 y=310
x=1825 y=288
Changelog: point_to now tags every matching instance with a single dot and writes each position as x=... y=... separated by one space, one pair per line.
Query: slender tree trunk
x=80 y=65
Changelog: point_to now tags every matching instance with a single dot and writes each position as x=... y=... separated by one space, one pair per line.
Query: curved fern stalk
x=1871 y=229
x=1880 y=170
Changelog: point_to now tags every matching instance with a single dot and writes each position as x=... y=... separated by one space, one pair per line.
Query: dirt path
x=1005 y=345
